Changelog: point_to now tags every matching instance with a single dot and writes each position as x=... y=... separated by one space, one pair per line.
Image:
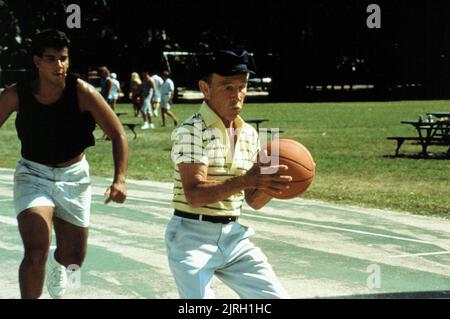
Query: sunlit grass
x=347 y=140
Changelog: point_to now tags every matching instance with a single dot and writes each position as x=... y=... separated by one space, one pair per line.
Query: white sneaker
x=152 y=125
x=145 y=126
x=56 y=276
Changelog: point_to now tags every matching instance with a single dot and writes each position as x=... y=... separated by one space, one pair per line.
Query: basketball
x=300 y=163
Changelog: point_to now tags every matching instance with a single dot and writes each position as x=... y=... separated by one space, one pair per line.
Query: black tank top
x=53 y=133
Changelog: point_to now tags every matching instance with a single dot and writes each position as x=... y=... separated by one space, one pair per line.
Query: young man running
x=56 y=116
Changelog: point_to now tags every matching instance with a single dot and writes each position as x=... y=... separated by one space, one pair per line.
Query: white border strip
x=341 y=229
x=422 y=254
x=311 y=224
x=288 y=221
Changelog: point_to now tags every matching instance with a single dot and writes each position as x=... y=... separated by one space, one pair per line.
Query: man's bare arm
x=200 y=191
x=9 y=103
x=93 y=102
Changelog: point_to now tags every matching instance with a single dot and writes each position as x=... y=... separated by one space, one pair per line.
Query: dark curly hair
x=49 y=38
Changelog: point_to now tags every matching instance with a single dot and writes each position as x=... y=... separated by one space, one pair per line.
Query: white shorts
x=67 y=189
x=156 y=98
x=165 y=105
x=147 y=108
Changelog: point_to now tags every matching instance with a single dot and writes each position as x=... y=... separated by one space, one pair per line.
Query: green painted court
x=317 y=249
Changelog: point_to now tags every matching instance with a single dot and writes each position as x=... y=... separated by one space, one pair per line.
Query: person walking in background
x=105 y=83
x=109 y=86
x=114 y=91
x=157 y=93
x=148 y=88
x=135 y=92
x=167 y=92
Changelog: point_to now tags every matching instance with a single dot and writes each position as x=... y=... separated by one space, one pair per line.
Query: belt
x=207 y=218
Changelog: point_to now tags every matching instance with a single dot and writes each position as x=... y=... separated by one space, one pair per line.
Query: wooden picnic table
x=131 y=126
x=439 y=114
x=256 y=121
x=274 y=133
x=428 y=133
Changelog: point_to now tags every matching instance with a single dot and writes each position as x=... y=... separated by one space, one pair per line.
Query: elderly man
x=216 y=167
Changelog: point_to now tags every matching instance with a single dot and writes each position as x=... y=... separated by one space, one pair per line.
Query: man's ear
x=36 y=60
x=204 y=87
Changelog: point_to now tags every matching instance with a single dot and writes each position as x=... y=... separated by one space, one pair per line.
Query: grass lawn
x=347 y=140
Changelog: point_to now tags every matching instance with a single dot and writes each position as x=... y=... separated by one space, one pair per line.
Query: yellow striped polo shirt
x=203 y=138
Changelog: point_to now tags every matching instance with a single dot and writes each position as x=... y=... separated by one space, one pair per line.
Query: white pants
x=198 y=250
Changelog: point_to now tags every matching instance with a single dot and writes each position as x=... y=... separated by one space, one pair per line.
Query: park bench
x=440 y=140
x=131 y=126
x=429 y=132
x=258 y=121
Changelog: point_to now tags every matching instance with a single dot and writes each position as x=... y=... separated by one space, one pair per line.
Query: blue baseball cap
x=228 y=63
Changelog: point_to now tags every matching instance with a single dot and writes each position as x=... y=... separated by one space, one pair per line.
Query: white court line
x=341 y=229
x=422 y=254
x=314 y=225
x=156 y=208
x=349 y=230
x=8 y=220
x=150 y=200
x=6 y=200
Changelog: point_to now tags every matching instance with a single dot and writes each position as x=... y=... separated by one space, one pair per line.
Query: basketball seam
x=311 y=170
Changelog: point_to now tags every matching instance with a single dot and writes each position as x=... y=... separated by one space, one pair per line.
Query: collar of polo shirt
x=213 y=120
